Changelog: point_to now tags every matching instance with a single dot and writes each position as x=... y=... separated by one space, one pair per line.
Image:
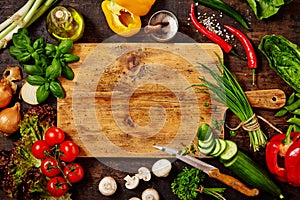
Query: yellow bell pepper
x=137 y=7
x=121 y=20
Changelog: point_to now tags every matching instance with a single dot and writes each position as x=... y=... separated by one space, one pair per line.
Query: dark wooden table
x=286 y=23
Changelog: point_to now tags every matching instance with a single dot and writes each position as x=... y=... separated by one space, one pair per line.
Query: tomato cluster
x=57 y=155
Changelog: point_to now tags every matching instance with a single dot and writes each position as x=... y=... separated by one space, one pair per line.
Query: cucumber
x=207 y=142
x=222 y=147
x=204 y=132
x=230 y=151
x=253 y=174
x=207 y=151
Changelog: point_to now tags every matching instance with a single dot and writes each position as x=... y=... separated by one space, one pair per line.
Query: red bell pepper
x=286 y=146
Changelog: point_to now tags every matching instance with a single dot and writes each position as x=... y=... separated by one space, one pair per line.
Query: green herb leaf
x=54 y=70
x=21 y=40
x=33 y=70
x=50 y=49
x=69 y=58
x=35 y=80
x=39 y=45
x=42 y=93
x=56 y=89
x=65 y=46
x=20 y=55
x=67 y=72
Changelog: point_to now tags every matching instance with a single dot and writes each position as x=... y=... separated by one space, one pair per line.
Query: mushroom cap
x=150 y=194
x=131 y=182
x=134 y=198
x=144 y=173
x=107 y=186
x=162 y=168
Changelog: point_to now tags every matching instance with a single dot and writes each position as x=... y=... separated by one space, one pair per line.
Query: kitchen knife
x=211 y=171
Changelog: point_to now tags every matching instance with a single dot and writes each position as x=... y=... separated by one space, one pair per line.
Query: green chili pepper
x=226 y=9
x=294 y=120
x=283 y=111
x=293 y=106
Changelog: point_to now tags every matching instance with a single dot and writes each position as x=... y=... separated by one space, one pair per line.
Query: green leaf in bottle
x=56 y=89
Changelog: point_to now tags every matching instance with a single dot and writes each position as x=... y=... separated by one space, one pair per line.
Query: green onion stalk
x=228 y=91
x=23 y=18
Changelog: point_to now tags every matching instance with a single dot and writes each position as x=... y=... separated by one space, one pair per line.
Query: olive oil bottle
x=64 y=22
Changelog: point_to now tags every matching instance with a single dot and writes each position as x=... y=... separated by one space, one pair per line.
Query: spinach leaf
x=266 y=8
x=283 y=57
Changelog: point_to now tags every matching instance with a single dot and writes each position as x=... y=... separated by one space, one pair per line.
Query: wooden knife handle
x=233 y=182
x=269 y=99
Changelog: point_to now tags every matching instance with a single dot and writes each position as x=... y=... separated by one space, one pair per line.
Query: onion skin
x=9 y=119
x=6 y=93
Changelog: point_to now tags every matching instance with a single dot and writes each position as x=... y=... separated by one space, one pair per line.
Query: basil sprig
x=44 y=63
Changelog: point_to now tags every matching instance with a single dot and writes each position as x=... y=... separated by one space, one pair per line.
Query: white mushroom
x=134 y=198
x=107 y=186
x=161 y=168
x=131 y=182
x=144 y=173
x=150 y=194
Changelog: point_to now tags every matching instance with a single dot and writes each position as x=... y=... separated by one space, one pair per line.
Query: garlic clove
x=107 y=186
x=162 y=168
x=150 y=194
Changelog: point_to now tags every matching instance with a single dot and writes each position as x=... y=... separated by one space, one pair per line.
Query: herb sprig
x=44 y=63
x=187 y=185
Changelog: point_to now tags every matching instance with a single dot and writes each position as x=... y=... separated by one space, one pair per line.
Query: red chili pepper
x=288 y=147
x=251 y=56
x=209 y=34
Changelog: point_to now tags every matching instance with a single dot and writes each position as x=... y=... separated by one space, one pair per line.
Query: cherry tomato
x=54 y=135
x=49 y=167
x=69 y=150
x=74 y=172
x=57 y=186
x=38 y=149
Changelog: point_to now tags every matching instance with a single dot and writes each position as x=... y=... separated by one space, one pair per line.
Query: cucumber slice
x=230 y=151
x=207 y=142
x=222 y=147
x=207 y=151
x=217 y=148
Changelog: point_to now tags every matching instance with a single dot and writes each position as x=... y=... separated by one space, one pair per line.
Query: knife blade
x=210 y=170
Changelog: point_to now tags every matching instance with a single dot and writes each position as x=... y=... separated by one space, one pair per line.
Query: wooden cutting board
x=125 y=98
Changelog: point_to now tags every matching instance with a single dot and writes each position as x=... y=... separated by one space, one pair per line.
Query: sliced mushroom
x=12 y=74
x=131 y=182
x=134 y=198
x=107 y=186
x=162 y=168
x=144 y=173
x=150 y=194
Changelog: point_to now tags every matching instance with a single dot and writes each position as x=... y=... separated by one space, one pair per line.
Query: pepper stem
x=287 y=141
x=253 y=76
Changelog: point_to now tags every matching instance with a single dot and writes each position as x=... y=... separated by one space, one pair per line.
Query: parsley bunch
x=187 y=185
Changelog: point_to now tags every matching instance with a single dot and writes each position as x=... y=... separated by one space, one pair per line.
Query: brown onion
x=6 y=93
x=9 y=119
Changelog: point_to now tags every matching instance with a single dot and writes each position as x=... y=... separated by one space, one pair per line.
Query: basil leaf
x=56 y=89
x=65 y=46
x=69 y=58
x=35 y=80
x=33 y=70
x=21 y=40
x=39 y=45
x=54 y=70
x=50 y=49
x=20 y=55
x=67 y=72
x=42 y=93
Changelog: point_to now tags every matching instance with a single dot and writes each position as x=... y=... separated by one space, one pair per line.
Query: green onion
x=23 y=18
x=227 y=91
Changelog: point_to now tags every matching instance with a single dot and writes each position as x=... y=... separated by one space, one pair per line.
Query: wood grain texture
x=127 y=97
